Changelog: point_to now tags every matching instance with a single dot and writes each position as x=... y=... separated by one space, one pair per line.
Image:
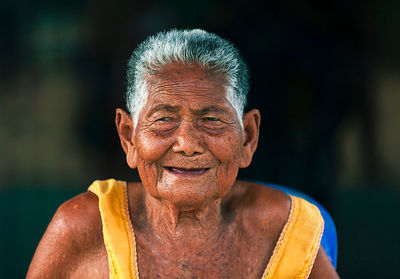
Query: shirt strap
x=118 y=233
x=298 y=244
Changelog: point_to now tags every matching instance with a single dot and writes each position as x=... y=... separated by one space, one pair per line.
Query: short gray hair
x=186 y=46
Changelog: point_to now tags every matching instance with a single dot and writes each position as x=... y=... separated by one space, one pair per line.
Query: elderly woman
x=189 y=217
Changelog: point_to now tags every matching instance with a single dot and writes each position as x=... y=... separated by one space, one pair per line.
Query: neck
x=172 y=222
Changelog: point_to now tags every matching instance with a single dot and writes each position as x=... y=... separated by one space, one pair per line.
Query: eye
x=212 y=123
x=164 y=119
x=211 y=119
x=164 y=124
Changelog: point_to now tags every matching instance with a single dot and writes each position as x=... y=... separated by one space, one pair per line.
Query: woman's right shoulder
x=77 y=218
x=79 y=212
x=74 y=230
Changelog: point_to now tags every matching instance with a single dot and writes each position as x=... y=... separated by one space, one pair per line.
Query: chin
x=185 y=196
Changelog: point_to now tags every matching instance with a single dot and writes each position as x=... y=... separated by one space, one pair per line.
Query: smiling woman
x=175 y=120
x=188 y=217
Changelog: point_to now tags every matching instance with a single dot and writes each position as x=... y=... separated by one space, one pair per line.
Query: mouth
x=186 y=171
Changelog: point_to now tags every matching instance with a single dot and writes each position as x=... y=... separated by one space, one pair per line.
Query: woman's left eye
x=163 y=119
x=211 y=119
x=212 y=123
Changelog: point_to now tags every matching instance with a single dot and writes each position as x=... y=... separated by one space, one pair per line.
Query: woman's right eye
x=164 y=124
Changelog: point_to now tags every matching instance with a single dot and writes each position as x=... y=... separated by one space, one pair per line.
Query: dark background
x=325 y=76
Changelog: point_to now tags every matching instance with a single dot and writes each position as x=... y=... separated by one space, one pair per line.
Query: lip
x=186 y=171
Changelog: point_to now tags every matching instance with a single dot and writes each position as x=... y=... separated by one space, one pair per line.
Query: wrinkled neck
x=177 y=223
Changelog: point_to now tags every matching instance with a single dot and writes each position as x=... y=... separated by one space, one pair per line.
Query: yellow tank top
x=293 y=255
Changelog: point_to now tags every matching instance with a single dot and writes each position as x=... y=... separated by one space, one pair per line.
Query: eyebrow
x=202 y=111
x=209 y=109
x=164 y=107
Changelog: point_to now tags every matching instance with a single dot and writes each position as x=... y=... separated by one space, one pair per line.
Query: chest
x=92 y=264
x=237 y=257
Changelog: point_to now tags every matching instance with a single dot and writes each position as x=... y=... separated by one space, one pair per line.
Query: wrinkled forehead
x=186 y=71
x=188 y=83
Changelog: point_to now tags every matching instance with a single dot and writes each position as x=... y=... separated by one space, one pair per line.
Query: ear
x=125 y=128
x=251 y=126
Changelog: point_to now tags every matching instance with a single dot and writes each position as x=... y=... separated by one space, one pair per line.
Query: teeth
x=194 y=171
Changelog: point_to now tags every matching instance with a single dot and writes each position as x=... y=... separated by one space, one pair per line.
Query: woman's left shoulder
x=267 y=207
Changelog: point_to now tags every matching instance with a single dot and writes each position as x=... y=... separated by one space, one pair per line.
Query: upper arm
x=323 y=268
x=66 y=238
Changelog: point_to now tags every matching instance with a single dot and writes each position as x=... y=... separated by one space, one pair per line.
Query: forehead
x=188 y=84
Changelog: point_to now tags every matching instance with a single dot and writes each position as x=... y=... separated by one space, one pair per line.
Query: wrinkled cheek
x=228 y=170
x=148 y=175
x=150 y=150
x=226 y=176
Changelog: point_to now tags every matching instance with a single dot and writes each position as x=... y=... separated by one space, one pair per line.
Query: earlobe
x=131 y=159
x=125 y=129
x=251 y=127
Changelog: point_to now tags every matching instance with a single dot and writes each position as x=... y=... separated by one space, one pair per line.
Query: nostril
x=189 y=146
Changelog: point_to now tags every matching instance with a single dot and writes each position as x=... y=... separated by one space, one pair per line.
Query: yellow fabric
x=293 y=256
x=298 y=244
x=118 y=235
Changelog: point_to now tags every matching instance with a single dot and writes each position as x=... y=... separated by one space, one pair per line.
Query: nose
x=189 y=140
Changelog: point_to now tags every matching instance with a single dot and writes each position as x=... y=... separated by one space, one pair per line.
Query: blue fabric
x=329 y=237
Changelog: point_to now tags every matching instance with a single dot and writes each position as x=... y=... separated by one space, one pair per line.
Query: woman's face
x=188 y=138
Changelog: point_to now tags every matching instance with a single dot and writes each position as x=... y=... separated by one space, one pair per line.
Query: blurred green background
x=325 y=76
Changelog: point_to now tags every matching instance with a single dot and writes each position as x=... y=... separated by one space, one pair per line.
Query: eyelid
x=210 y=118
x=212 y=123
x=166 y=118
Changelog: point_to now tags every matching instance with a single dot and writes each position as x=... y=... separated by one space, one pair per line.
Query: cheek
x=227 y=151
x=149 y=150
x=152 y=148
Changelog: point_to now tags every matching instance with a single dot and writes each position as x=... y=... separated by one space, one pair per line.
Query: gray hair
x=186 y=46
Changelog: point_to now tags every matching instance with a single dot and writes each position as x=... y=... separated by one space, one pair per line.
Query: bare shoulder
x=323 y=267
x=79 y=212
x=74 y=231
x=267 y=208
x=80 y=216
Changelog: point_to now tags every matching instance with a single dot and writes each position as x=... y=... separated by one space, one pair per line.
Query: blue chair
x=329 y=237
